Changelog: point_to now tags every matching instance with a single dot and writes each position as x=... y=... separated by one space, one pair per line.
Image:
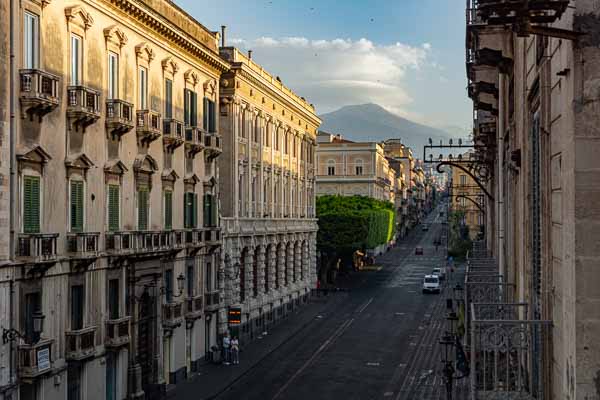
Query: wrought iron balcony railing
x=39 y=92
x=119 y=116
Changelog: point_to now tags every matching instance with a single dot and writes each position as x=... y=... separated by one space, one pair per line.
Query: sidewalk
x=213 y=379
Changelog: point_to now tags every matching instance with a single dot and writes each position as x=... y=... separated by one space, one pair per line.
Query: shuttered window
x=212 y=126
x=168 y=98
x=206 y=210
x=190 y=210
x=168 y=210
x=113 y=207
x=205 y=117
x=142 y=196
x=190 y=107
x=76 y=206
x=210 y=210
x=31 y=204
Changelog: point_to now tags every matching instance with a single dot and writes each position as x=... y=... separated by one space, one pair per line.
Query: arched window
x=331 y=167
x=358 y=167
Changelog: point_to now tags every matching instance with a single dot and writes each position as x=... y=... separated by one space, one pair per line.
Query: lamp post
x=10 y=335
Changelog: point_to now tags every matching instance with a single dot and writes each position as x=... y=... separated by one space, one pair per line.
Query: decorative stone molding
x=78 y=16
x=144 y=52
x=210 y=87
x=114 y=35
x=169 y=65
x=143 y=167
x=169 y=175
x=191 y=77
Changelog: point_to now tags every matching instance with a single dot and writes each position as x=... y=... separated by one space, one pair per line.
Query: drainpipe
x=500 y=186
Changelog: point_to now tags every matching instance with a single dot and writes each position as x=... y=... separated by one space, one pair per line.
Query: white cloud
x=338 y=72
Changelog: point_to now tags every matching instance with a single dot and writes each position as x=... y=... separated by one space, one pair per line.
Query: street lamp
x=10 y=335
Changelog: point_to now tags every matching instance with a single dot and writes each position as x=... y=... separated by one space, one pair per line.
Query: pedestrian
x=235 y=351
x=226 y=349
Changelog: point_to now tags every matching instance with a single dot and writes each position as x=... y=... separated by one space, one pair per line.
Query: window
x=143 y=208
x=114 y=209
x=210 y=210
x=169 y=285
x=76 y=59
x=113 y=299
x=208 y=277
x=143 y=88
x=463 y=179
x=168 y=98
x=113 y=76
x=285 y=143
x=190 y=280
x=190 y=107
x=256 y=132
x=74 y=381
x=76 y=206
x=77 y=304
x=209 y=115
x=30 y=40
x=331 y=167
x=31 y=204
x=33 y=303
x=168 y=209
x=190 y=207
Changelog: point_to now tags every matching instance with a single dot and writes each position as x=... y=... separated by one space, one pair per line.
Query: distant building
x=465 y=196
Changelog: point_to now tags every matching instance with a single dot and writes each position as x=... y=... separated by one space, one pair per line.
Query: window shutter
x=168 y=98
x=211 y=116
x=31 y=204
x=206 y=209
x=113 y=208
x=205 y=113
x=168 y=210
x=194 y=210
x=142 y=209
x=194 y=109
x=213 y=210
x=186 y=107
x=76 y=206
x=186 y=211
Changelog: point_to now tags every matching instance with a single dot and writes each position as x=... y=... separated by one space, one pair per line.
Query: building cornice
x=168 y=31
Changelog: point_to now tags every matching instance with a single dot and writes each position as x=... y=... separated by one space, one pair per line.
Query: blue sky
x=406 y=55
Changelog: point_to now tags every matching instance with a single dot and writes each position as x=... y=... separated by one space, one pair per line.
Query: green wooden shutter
x=76 y=206
x=186 y=107
x=194 y=210
x=113 y=208
x=206 y=210
x=213 y=210
x=211 y=116
x=185 y=211
x=31 y=204
x=168 y=210
x=194 y=109
x=205 y=113
x=142 y=209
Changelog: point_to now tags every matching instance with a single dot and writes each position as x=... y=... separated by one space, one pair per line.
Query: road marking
x=373 y=364
x=388 y=394
x=339 y=331
x=364 y=306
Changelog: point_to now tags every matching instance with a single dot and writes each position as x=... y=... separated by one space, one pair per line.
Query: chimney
x=249 y=54
x=223 y=28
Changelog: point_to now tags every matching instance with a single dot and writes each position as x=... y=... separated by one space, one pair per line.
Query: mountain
x=371 y=122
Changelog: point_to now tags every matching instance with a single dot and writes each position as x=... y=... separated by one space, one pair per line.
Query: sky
x=405 y=55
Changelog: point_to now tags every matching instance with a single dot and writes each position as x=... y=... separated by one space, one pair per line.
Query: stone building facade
x=349 y=168
x=113 y=145
x=267 y=195
x=536 y=100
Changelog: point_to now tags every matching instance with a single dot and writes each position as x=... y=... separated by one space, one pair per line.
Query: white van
x=440 y=272
x=431 y=284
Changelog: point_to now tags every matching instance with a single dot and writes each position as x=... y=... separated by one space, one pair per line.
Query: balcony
x=129 y=242
x=212 y=236
x=194 y=139
x=148 y=126
x=39 y=92
x=516 y=11
x=193 y=307
x=172 y=133
x=506 y=350
x=83 y=106
x=38 y=247
x=117 y=332
x=212 y=143
x=81 y=344
x=119 y=117
x=34 y=359
x=83 y=244
x=211 y=300
x=172 y=315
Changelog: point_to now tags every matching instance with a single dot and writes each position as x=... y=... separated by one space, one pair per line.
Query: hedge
x=350 y=223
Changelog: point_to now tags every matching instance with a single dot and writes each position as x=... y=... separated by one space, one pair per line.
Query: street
x=378 y=340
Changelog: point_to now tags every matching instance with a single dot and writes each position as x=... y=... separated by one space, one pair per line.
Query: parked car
x=418 y=251
x=440 y=272
x=431 y=284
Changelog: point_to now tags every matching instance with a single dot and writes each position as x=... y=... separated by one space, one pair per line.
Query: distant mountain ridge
x=372 y=123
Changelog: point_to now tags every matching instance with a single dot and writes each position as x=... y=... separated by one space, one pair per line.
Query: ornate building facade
x=267 y=196
x=107 y=267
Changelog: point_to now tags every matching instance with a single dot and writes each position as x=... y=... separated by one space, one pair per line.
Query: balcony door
x=147 y=339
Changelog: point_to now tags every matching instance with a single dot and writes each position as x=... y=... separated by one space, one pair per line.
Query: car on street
x=431 y=284
x=440 y=272
x=418 y=251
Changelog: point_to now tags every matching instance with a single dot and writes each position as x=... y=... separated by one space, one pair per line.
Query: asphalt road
x=379 y=340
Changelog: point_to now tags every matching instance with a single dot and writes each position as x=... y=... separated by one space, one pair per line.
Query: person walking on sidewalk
x=235 y=351
x=226 y=349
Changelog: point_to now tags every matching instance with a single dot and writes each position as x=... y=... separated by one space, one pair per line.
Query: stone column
x=298 y=261
x=272 y=262
x=247 y=276
x=260 y=253
x=289 y=263
x=281 y=260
